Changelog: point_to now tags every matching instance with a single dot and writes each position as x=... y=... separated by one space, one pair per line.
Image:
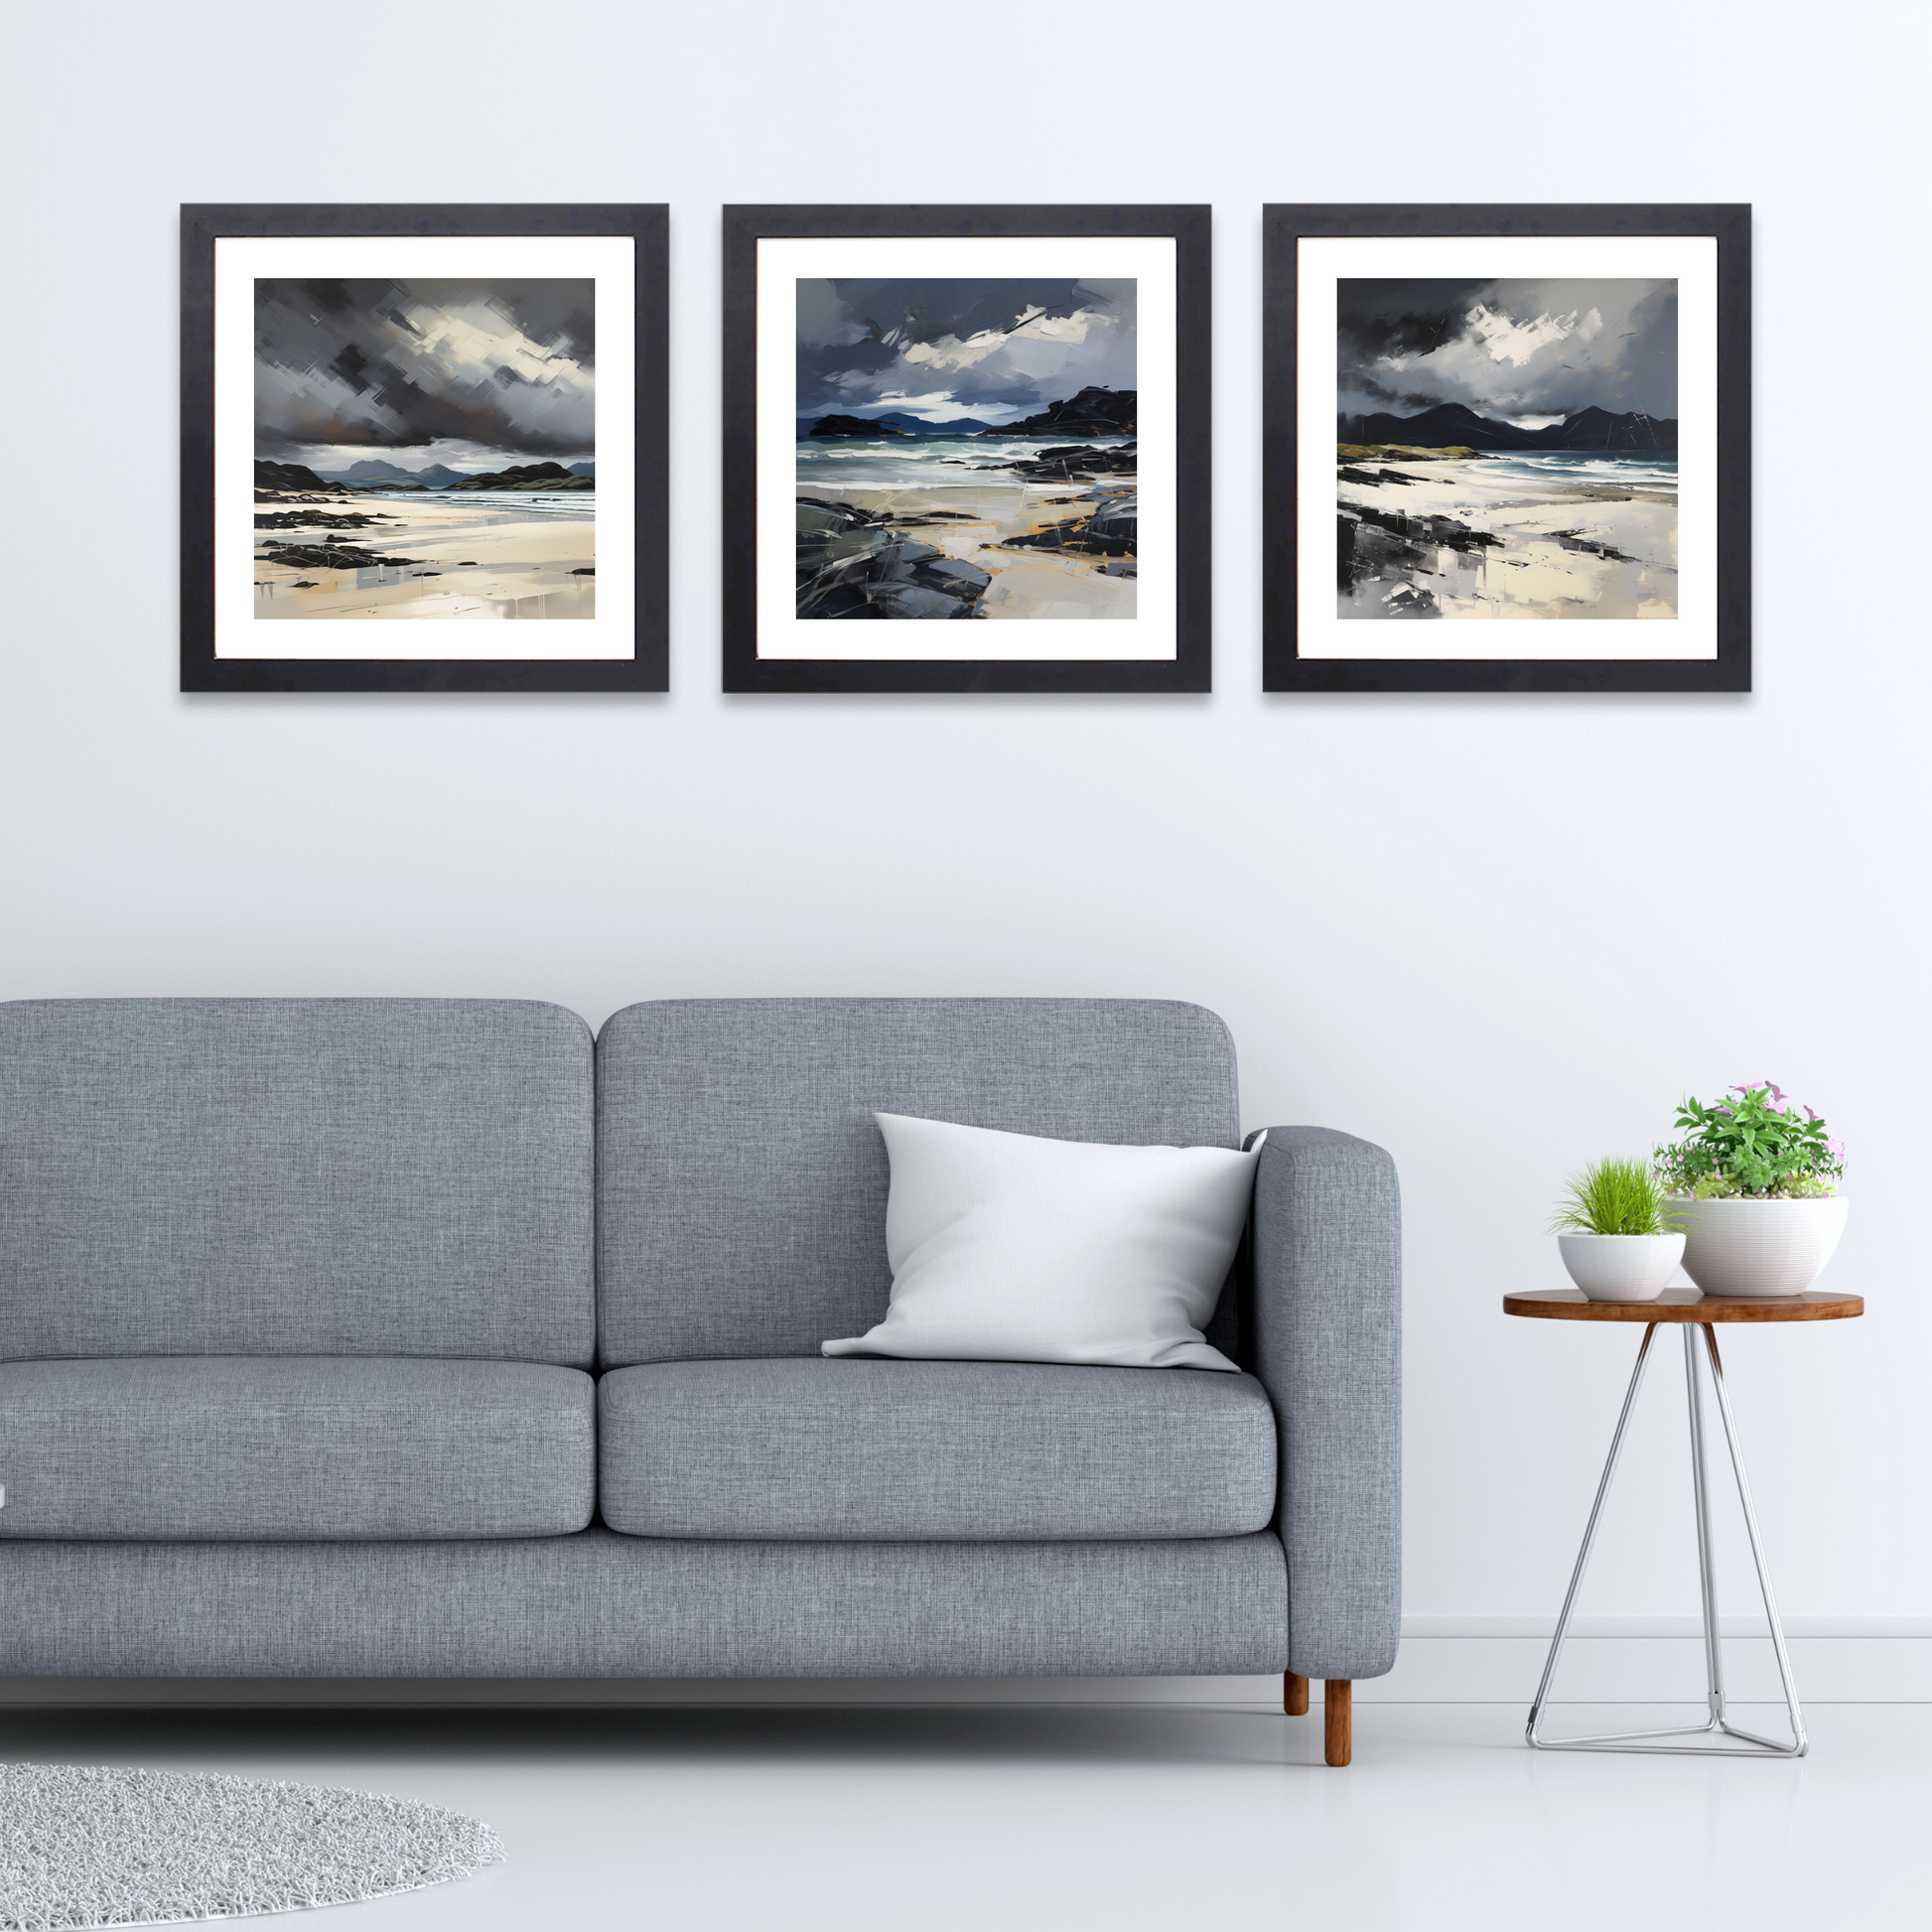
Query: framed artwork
x=423 y=449
x=966 y=449
x=1508 y=449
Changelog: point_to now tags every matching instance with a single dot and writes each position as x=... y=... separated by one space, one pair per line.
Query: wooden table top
x=1687 y=1304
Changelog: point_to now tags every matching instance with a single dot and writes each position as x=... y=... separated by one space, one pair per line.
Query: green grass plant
x=1615 y=1196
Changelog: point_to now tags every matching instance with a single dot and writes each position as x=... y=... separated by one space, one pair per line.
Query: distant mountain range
x=893 y=423
x=915 y=426
x=1093 y=412
x=1453 y=422
x=371 y=471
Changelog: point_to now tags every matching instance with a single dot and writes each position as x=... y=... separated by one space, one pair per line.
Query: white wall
x=1498 y=934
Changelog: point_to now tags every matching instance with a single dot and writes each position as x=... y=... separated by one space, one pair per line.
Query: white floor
x=926 y=1820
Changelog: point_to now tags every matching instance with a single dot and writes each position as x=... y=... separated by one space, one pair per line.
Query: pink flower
x=1835 y=1146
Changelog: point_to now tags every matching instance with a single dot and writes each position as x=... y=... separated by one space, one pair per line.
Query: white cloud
x=950 y=352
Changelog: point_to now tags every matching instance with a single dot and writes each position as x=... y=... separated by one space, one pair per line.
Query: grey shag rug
x=90 y=1845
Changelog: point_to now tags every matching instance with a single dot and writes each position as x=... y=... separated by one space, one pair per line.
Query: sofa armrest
x=1327 y=1343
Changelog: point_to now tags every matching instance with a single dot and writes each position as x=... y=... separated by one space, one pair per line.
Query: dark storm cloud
x=951 y=346
x=1388 y=318
x=387 y=364
x=1508 y=349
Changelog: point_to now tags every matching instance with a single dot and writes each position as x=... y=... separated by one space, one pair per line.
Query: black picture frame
x=1189 y=670
x=201 y=224
x=1286 y=669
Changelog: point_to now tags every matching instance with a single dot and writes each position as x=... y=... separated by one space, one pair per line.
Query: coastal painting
x=1506 y=449
x=424 y=448
x=966 y=447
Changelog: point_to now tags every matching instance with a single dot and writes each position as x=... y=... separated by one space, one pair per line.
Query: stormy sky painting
x=473 y=374
x=1506 y=449
x=1530 y=352
x=944 y=349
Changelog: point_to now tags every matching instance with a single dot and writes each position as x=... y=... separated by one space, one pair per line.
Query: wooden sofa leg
x=1338 y=1732
x=1294 y=1695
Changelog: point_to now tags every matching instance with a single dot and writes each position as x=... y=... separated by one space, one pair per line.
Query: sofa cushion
x=294 y=1447
x=295 y=1177
x=600 y=1605
x=742 y=1180
x=1009 y=1248
x=898 y=1450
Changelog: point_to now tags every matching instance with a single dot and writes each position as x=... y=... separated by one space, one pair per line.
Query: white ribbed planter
x=1759 y=1247
x=1621 y=1266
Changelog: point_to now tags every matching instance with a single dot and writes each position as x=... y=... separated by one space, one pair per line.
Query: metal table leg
x=1749 y=1745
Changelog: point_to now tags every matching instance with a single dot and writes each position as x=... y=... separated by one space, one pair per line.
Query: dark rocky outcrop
x=334 y=556
x=852 y=563
x=1381 y=544
x=525 y=476
x=286 y=475
x=833 y=426
x=1093 y=412
x=319 y=521
x=1071 y=463
x=1109 y=531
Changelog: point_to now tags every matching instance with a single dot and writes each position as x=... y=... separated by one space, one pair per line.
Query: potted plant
x=1756 y=1190
x=1616 y=1232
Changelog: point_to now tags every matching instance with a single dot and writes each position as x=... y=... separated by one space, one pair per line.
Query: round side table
x=1698 y=1315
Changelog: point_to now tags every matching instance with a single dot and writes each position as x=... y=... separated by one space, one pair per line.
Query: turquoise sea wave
x=1648 y=469
x=907 y=463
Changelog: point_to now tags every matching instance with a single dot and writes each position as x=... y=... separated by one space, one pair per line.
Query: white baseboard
x=1642 y=1660
x=1444 y=1660
x=1653 y=1669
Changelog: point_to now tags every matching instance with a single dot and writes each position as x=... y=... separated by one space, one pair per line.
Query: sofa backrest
x=295 y=1177
x=742 y=1180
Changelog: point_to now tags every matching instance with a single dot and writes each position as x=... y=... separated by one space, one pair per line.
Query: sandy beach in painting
x=1551 y=535
x=1032 y=542
x=359 y=554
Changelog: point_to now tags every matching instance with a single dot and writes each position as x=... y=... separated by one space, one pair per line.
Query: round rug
x=90 y=1845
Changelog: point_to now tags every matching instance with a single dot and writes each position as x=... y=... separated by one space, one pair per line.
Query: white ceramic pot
x=1621 y=1266
x=1759 y=1247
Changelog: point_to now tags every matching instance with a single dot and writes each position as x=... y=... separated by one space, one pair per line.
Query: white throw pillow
x=1007 y=1248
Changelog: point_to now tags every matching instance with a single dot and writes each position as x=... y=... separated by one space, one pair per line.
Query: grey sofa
x=425 y=1338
